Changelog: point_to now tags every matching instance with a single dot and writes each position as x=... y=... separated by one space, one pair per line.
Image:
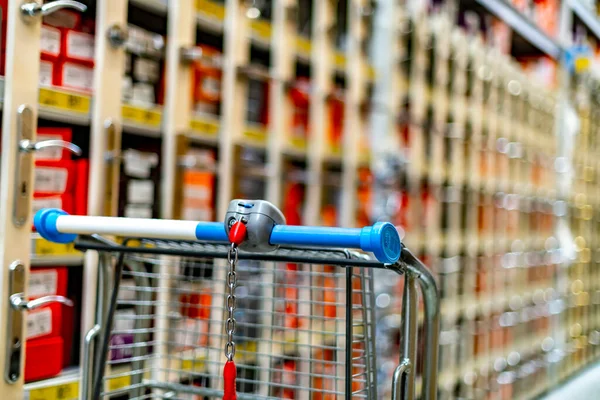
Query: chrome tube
x=432 y=321
x=86 y=371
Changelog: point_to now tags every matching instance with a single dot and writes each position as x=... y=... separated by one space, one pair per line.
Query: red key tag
x=229 y=377
x=237 y=233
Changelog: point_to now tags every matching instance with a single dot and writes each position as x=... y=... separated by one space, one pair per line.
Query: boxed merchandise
x=51 y=42
x=122 y=339
x=80 y=195
x=206 y=81
x=53 y=153
x=54 y=177
x=44 y=322
x=336 y=121
x=64 y=19
x=74 y=75
x=300 y=96
x=199 y=187
x=47 y=282
x=78 y=47
x=64 y=202
x=43 y=358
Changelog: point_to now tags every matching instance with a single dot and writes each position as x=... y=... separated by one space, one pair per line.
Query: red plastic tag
x=229 y=377
x=237 y=233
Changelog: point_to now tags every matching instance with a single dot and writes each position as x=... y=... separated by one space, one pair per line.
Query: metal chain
x=232 y=259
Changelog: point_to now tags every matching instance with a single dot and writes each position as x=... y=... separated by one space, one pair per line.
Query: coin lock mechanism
x=260 y=217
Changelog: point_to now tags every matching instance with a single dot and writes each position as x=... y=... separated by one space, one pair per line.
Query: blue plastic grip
x=45 y=223
x=211 y=231
x=382 y=239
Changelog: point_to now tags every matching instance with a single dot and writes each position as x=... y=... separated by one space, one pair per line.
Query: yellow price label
x=141 y=116
x=262 y=29
x=205 y=127
x=119 y=382
x=258 y=135
x=303 y=45
x=46 y=248
x=211 y=9
x=582 y=64
x=196 y=365
x=371 y=73
x=250 y=347
x=64 y=100
x=67 y=391
x=298 y=143
x=339 y=59
x=335 y=149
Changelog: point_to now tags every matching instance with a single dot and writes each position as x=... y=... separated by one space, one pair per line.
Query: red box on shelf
x=54 y=153
x=43 y=358
x=47 y=282
x=54 y=177
x=77 y=47
x=81 y=187
x=45 y=322
x=68 y=331
x=74 y=75
x=64 y=19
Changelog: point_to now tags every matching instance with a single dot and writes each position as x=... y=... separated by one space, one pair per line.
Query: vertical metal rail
x=432 y=321
x=349 y=334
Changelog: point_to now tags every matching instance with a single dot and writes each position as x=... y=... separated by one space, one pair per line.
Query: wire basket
x=305 y=323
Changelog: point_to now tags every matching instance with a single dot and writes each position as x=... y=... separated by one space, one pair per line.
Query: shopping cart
x=287 y=304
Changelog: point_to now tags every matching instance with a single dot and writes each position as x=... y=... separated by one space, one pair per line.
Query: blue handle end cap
x=383 y=240
x=45 y=223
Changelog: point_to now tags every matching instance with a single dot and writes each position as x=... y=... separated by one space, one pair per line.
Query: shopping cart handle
x=382 y=239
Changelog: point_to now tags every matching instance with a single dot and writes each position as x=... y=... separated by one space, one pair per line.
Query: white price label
x=46 y=202
x=50 y=180
x=80 y=45
x=39 y=323
x=50 y=40
x=140 y=192
x=42 y=283
x=78 y=76
x=135 y=211
x=49 y=153
x=138 y=164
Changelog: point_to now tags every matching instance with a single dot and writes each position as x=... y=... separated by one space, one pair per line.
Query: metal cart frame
x=416 y=274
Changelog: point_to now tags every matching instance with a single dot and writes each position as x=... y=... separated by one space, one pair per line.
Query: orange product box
x=77 y=47
x=54 y=153
x=74 y=75
x=198 y=193
x=206 y=81
x=336 y=121
x=546 y=16
x=300 y=97
x=43 y=358
x=54 y=177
